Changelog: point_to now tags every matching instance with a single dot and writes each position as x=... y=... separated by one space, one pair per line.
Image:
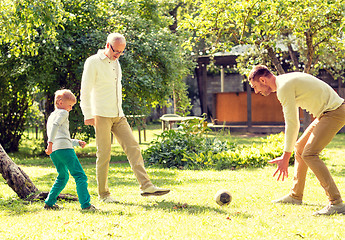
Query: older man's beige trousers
x=123 y=133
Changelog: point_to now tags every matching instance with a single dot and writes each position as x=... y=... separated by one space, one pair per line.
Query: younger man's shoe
x=54 y=207
x=90 y=208
x=331 y=209
x=288 y=199
x=154 y=191
x=108 y=199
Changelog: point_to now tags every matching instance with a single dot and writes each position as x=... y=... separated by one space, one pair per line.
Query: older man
x=312 y=94
x=101 y=103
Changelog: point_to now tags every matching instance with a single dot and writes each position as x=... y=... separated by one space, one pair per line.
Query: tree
x=20 y=182
x=14 y=100
x=21 y=23
x=59 y=62
x=152 y=65
x=55 y=37
x=155 y=64
x=318 y=24
x=44 y=45
x=52 y=39
x=15 y=176
x=312 y=30
x=312 y=27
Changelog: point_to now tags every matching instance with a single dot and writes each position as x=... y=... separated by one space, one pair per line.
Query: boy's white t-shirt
x=58 y=130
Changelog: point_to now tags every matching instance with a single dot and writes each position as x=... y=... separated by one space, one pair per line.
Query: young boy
x=60 y=149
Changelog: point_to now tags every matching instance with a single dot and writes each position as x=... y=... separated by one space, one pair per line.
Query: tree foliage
x=15 y=100
x=59 y=62
x=154 y=63
x=22 y=21
x=52 y=39
x=310 y=29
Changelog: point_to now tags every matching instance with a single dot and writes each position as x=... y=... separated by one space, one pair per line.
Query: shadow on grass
x=16 y=206
x=19 y=207
x=319 y=205
x=120 y=174
x=44 y=160
x=171 y=206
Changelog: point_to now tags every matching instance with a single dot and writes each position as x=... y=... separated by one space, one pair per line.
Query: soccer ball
x=223 y=197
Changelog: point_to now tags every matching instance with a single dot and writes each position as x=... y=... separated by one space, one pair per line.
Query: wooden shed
x=239 y=108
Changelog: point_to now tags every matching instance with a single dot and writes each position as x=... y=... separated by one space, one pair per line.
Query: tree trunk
x=293 y=57
x=275 y=60
x=20 y=182
x=15 y=177
x=310 y=50
x=173 y=14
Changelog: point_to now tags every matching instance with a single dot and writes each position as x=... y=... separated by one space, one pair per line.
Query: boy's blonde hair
x=64 y=94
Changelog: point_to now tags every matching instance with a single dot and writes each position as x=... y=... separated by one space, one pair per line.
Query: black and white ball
x=223 y=197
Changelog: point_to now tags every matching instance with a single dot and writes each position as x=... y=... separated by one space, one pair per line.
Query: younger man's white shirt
x=303 y=90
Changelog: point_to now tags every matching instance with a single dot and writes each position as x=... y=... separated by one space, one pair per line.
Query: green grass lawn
x=187 y=212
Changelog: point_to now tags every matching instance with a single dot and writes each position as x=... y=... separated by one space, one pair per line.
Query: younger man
x=60 y=149
x=317 y=97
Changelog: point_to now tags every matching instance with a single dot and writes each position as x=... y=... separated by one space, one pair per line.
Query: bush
x=180 y=149
x=252 y=156
x=189 y=148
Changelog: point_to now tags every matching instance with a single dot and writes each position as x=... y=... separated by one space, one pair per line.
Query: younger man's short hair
x=257 y=72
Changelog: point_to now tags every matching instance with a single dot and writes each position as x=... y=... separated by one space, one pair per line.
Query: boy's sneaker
x=108 y=199
x=154 y=191
x=90 y=208
x=54 y=207
x=331 y=209
x=288 y=199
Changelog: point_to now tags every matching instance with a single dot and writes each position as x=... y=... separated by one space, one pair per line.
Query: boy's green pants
x=66 y=160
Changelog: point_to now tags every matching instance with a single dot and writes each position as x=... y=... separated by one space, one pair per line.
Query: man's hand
x=90 y=122
x=282 y=165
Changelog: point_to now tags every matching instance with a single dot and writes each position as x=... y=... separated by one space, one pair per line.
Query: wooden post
x=249 y=105
x=204 y=86
x=139 y=132
x=221 y=78
x=201 y=73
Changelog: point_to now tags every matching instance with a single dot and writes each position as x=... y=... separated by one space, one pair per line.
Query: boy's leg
x=80 y=177
x=103 y=142
x=61 y=180
x=329 y=124
x=124 y=136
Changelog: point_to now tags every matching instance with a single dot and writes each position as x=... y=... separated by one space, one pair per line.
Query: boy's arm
x=49 y=149
x=76 y=142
